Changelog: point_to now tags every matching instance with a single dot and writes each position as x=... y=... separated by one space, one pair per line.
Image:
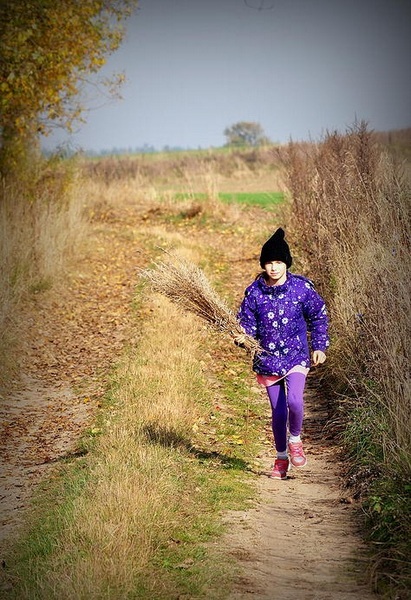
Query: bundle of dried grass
x=187 y=286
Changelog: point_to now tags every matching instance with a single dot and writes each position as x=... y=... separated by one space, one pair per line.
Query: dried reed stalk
x=187 y=286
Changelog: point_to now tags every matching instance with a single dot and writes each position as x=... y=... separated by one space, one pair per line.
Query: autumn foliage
x=47 y=50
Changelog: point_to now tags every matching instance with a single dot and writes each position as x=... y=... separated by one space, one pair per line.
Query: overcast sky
x=297 y=67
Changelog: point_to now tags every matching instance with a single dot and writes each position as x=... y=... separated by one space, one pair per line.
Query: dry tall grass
x=41 y=224
x=166 y=167
x=352 y=215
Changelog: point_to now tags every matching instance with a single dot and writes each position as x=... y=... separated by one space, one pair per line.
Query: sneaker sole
x=280 y=478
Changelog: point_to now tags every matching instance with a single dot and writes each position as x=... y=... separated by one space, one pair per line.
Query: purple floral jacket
x=279 y=317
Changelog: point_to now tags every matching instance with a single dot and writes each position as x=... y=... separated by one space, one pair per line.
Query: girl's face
x=276 y=271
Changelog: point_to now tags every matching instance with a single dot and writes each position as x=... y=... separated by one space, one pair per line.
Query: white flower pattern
x=279 y=317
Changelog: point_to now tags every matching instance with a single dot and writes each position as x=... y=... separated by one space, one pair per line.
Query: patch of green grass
x=187 y=564
x=388 y=516
x=233 y=429
x=385 y=493
x=27 y=560
x=263 y=199
x=362 y=436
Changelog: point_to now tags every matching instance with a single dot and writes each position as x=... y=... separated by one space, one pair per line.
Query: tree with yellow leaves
x=47 y=50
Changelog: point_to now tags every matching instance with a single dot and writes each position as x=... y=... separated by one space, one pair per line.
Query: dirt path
x=300 y=541
x=69 y=338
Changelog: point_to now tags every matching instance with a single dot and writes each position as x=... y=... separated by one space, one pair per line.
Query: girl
x=279 y=309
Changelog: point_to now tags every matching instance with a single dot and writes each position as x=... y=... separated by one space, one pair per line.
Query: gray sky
x=297 y=67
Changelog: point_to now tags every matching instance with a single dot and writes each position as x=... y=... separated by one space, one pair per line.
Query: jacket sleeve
x=315 y=314
x=246 y=315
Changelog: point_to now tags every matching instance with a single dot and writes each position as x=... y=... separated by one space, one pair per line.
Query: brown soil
x=301 y=540
x=299 y=543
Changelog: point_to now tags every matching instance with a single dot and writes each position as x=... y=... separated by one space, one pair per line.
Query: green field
x=265 y=199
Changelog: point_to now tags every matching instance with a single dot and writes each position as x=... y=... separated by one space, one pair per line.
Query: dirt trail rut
x=300 y=542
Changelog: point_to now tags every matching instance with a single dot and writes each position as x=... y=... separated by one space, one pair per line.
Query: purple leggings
x=287 y=403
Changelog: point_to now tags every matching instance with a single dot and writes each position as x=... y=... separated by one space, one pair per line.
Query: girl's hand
x=318 y=357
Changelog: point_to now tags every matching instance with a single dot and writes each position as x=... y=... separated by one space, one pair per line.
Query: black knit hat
x=276 y=248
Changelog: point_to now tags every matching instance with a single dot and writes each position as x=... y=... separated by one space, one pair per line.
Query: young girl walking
x=279 y=309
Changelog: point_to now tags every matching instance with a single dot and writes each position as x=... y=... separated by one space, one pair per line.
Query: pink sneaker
x=298 y=458
x=280 y=468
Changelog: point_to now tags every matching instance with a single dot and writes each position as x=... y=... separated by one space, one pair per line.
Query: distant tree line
x=239 y=135
x=145 y=149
